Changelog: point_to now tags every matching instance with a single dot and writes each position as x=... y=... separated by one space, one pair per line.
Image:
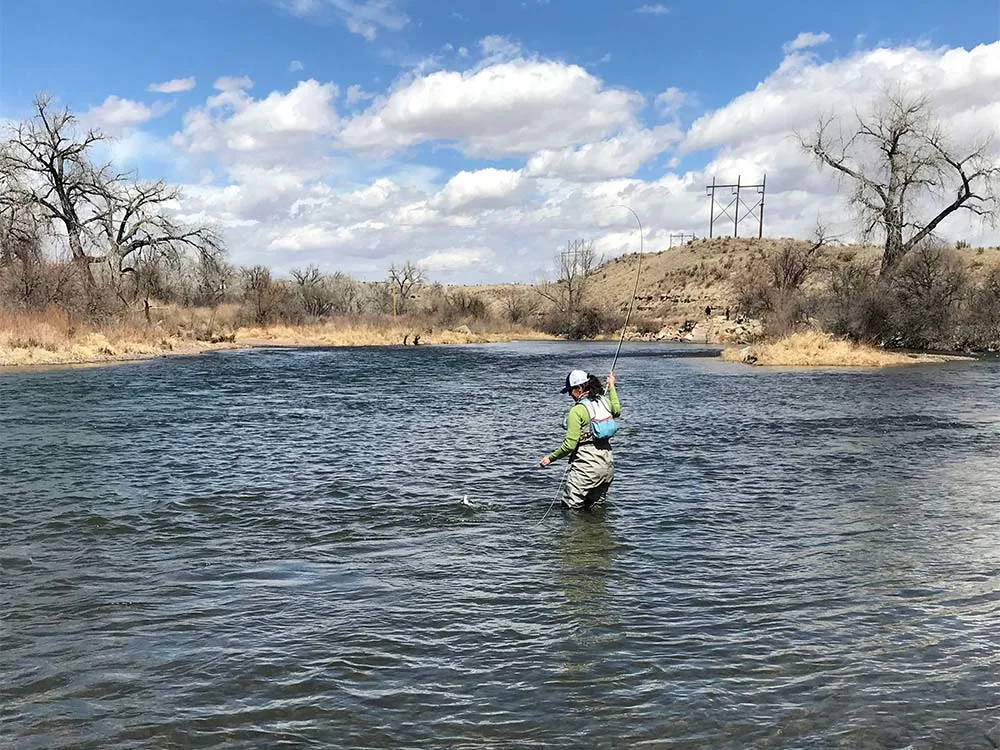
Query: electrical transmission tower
x=731 y=210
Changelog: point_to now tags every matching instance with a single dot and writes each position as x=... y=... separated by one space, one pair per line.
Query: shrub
x=584 y=324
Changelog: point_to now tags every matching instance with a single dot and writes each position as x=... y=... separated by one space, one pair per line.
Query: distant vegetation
x=92 y=257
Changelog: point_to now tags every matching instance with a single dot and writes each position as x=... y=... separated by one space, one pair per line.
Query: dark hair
x=594 y=387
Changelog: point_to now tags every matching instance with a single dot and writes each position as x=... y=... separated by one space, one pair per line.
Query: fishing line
x=635 y=289
x=628 y=315
x=557 y=495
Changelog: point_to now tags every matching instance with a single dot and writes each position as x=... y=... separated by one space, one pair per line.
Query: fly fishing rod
x=635 y=289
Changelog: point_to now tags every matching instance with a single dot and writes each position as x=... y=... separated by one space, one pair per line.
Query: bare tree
x=314 y=291
x=262 y=294
x=404 y=282
x=575 y=267
x=519 y=304
x=345 y=294
x=791 y=265
x=898 y=157
x=134 y=225
x=52 y=173
x=213 y=278
x=106 y=216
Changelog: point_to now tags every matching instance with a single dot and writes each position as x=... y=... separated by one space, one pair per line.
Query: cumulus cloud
x=619 y=156
x=805 y=40
x=312 y=237
x=671 y=100
x=175 y=86
x=800 y=91
x=504 y=109
x=233 y=83
x=298 y=184
x=483 y=189
x=116 y=114
x=296 y=66
x=280 y=129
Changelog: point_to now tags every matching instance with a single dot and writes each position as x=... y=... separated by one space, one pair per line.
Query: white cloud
x=233 y=83
x=357 y=94
x=116 y=114
x=175 y=86
x=671 y=100
x=486 y=188
x=619 y=156
x=509 y=108
x=134 y=146
x=456 y=259
x=281 y=128
x=805 y=40
x=312 y=237
x=801 y=90
x=496 y=49
x=375 y=196
x=653 y=10
x=296 y=66
x=363 y=17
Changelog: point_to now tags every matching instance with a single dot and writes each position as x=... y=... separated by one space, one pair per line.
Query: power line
x=731 y=210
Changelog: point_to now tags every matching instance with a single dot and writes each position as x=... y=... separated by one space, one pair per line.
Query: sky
x=477 y=138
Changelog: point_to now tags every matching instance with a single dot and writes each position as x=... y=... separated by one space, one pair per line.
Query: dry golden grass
x=815 y=349
x=373 y=332
x=53 y=338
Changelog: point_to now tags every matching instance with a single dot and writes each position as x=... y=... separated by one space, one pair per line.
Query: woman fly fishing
x=590 y=424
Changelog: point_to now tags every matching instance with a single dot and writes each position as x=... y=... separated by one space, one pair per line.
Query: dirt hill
x=677 y=285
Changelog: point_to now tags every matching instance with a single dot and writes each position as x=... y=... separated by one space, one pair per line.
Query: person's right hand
x=611 y=380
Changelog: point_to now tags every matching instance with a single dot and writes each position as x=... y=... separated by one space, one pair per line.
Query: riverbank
x=815 y=349
x=51 y=339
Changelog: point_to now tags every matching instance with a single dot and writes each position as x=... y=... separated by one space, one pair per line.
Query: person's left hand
x=545 y=461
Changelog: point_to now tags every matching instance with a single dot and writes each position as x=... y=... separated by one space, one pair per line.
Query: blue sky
x=672 y=65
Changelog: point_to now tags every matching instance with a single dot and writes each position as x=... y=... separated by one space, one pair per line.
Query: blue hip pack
x=602 y=424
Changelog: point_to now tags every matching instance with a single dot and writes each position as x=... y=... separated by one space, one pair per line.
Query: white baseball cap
x=575 y=378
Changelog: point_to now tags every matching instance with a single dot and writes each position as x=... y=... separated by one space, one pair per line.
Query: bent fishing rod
x=635 y=289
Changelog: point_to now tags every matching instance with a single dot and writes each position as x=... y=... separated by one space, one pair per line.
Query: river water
x=355 y=548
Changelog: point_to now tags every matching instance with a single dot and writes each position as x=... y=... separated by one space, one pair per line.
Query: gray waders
x=591 y=471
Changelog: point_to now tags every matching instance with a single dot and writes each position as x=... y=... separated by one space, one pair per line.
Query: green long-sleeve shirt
x=576 y=420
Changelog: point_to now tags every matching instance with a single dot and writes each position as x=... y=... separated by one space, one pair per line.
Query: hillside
x=676 y=285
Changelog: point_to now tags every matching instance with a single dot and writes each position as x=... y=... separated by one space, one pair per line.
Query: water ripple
x=347 y=548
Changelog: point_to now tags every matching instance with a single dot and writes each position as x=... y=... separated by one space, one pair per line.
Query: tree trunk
x=80 y=258
x=894 y=247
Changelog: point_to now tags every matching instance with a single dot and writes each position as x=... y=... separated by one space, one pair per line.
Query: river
x=356 y=548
